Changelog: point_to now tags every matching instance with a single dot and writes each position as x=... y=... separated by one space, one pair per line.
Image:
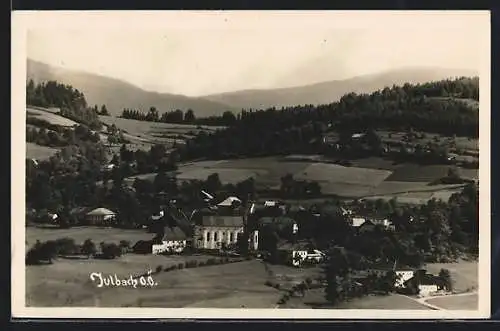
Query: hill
x=331 y=91
x=117 y=94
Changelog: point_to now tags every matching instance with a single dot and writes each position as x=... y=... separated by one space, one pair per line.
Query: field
x=34 y=151
x=457 y=302
x=465 y=274
x=233 y=285
x=80 y=234
x=315 y=298
x=143 y=134
x=49 y=116
x=373 y=181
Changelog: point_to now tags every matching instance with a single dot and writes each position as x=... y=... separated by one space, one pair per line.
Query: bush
x=65 y=246
x=269 y=283
x=180 y=266
x=159 y=268
x=110 y=251
x=308 y=282
x=125 y=245
x=89 y=248
x=277 y=286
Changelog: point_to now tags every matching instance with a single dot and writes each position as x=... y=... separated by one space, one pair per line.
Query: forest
x=70 y=101
x=298 y=129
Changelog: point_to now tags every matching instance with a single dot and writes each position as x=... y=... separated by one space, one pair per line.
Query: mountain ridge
x=118 y=94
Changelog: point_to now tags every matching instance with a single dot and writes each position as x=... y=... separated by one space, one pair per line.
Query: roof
x=225 y=221
x=101 y=211
x=229 y=202
x=284 y=221
x=173 y=233
x=426 y=279
x=358 y=135
x=358 y=221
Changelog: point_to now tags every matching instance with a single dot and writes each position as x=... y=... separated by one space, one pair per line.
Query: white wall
x=176 y=246
x=403 y=276
x=426 y=290
x=296 y=255
x=214 y=237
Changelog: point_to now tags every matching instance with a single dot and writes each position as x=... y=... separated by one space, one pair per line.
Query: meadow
x=82 y=233
x=315 y=298
x=456 y=302
x=49 y=116
x=234 y=285
x=34 y=151
x=369 y=178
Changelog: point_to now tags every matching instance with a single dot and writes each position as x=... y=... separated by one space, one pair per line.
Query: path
x=423 y=300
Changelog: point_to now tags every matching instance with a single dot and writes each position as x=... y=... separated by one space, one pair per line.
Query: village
x=221 y=226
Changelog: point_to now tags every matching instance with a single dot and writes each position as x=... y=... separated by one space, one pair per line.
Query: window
x=230 y=236
x=215 y=236
x=208 y=235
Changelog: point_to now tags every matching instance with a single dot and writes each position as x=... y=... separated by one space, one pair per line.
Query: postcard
x=251 y=164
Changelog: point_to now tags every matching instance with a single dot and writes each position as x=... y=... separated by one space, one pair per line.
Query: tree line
x=179 y=117
x=70 y=101
x=299 y=129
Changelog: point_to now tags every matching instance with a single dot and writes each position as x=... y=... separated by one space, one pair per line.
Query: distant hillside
x=327 y=92
x=117 y=94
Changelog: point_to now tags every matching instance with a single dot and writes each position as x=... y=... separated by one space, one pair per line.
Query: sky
x=203 y=53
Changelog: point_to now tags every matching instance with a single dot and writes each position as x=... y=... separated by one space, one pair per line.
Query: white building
x=172 y=240
x=229 y=202
x=402 y=276
x=100 y=216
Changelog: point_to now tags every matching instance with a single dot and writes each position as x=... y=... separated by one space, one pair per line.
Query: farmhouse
x=171 y=239
x=230 y=202
x=426 y=284
x=367 y=223
x=100 y=216
x=297 y=253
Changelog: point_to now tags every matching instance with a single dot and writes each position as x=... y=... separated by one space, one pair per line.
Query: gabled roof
x=358 y=221
x=173 y=233
x=426 y=279
x=101 y=211
x=281 y=220
x=224 y=221
x=229 y=202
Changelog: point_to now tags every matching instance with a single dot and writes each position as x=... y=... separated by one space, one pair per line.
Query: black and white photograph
x=251 y=164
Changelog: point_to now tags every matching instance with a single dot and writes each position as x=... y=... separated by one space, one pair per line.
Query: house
x=170 y=239
x=403 y=273
x=100 y=216
x=364 y=223
x=297 y=253
x=230 y=202
x=426 y=284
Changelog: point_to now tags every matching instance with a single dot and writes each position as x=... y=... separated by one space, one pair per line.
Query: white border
x=22 y=21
